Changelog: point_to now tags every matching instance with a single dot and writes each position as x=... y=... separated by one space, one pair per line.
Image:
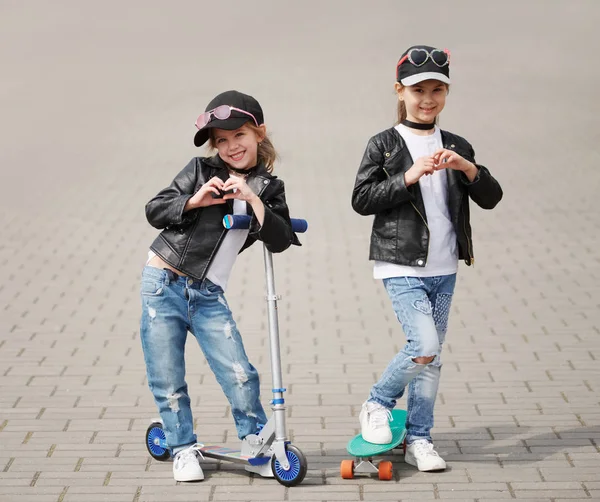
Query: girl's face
x=239 y=148
x=424 y=101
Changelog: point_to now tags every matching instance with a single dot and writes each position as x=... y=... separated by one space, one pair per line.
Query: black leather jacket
x=190 y=240
x=400 y=233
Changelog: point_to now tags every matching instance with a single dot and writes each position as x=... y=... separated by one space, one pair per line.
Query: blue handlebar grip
x=242 y=221
x=299 y=226
x=236 y=221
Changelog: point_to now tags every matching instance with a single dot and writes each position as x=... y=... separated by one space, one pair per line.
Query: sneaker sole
x=409 y=459
x=189 y=478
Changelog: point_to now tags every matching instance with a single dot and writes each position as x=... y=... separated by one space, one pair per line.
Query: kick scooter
x=268 y=453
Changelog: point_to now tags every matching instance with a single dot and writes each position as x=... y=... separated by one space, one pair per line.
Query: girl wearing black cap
x=190 y=262
x=417 y=179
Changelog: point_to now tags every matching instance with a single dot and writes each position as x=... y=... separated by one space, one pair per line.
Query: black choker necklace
x=240 y=171
x=416 y=125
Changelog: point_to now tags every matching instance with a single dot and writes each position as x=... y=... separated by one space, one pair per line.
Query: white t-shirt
x=442 y=257
x=222 y=263
x=221 y=266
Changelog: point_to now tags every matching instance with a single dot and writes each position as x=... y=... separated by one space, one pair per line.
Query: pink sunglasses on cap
x=222 y=112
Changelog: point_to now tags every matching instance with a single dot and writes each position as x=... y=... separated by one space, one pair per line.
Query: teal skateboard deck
x=358 y=447
x=364 y=451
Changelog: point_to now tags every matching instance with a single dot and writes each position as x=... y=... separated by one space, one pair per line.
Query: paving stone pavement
x=98 y=101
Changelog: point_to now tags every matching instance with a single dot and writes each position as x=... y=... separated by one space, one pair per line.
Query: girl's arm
x=275 y=230
x=485 y=191
x=481 y=185
x=374 y=189
x=168 y=206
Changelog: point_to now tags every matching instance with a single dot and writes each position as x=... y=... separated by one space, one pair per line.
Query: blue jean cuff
x=177 y=449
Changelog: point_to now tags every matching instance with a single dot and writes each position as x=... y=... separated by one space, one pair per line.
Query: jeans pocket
x=212 y=288
x=152 y=286
x=402 y=284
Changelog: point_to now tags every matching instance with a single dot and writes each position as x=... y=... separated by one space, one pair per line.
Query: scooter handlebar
x=242 y=221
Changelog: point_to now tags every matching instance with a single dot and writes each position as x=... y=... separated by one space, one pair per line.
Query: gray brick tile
x=553 y=494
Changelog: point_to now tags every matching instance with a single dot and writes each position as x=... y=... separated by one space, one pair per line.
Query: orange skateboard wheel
x=385 y=470
x=347 y=469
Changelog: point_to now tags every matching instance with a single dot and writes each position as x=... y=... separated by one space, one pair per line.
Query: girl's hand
x=241 y=190
x=448 y=159
x=204 y=196
x=423 y=166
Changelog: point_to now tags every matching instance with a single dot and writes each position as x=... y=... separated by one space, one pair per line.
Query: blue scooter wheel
x=298 y=467
x=154 y=435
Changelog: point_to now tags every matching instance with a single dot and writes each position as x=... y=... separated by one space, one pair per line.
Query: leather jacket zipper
x=422 y=217
x=428 y=230
x=469 y=254
x=471 y=258
x=210 y=260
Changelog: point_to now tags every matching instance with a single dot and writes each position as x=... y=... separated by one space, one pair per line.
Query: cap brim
x=230 y=124
x=420 y=77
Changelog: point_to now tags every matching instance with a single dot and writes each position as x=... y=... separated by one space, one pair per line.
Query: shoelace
x=380 y=417
x=184 y=456
x=424 y=447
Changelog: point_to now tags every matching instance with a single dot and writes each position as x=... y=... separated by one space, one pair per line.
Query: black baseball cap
x=236 y=119
x=423 y=62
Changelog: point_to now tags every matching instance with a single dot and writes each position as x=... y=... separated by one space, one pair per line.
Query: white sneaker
x=375 y=423
x=422 y=455
x=186 y=464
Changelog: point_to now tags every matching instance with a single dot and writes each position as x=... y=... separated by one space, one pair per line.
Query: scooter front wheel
x=298 y=467
x=154 y=436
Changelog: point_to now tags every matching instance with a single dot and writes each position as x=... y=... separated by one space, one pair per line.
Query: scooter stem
x=278 y=400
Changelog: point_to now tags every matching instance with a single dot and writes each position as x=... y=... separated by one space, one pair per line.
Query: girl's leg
x=413 y=309
x=422 y=391
x=220 y=340
x=163 y=334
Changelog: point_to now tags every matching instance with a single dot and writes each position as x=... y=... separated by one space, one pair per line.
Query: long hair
x=266 y=151
x=401 y=111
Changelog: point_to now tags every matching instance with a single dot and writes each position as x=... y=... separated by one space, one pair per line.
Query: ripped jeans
x=422 y=305
x=172 y=306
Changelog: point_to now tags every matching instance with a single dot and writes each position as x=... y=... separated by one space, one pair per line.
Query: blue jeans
x=422 y=305
x=172 y=306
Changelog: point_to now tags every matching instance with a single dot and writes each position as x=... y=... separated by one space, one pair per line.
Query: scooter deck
x=224 y=453
x=360 y=448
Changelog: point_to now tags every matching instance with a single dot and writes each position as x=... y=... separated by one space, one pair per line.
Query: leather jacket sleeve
x=484 y=189
x=276 y=230
x=374 y=189
x=166 y=208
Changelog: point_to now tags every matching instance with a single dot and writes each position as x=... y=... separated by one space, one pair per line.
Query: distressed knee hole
x=423 y=359
x=173 y=400
x=240 y=374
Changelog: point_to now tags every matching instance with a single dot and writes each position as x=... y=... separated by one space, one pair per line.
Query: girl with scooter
x=190 y=262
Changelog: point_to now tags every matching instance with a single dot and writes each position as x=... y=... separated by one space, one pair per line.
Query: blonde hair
x=266 y=151
x=401 y=110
